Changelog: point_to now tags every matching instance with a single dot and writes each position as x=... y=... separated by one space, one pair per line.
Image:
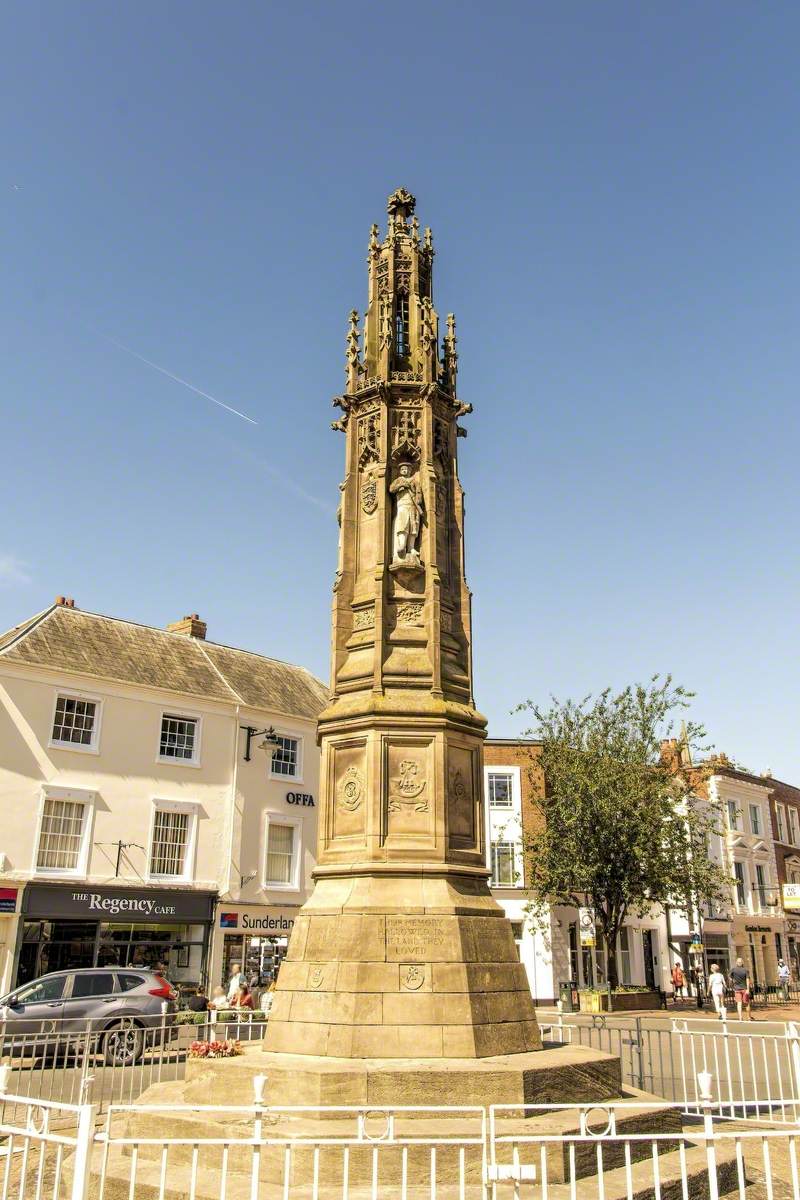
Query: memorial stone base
x=402 y=967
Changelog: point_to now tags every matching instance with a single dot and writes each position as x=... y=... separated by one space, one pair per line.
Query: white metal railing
x=372 y=1150
x=597 y=1149
x=666 y=1059
x=70 y=1062
x=35 y=1144
x=624 y=1149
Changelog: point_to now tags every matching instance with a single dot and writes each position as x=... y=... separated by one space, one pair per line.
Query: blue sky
x=613 y=191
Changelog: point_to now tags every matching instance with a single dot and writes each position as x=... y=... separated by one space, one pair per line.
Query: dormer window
x=401 y=326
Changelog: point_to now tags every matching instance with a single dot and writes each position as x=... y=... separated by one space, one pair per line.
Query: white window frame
x=94 y=745
x=515 y=864
x=780 y=824
x=178 y=715
x=512 y=796
x=295 y=884
x=756 y=808
x=298 y=778
x=625 y=955
x=734 y=822
x=77 y=796
x=191 y=808
x=791 y=826
x=745 y=904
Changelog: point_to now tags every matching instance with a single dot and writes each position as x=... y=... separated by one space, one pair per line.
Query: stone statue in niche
x=407 y=517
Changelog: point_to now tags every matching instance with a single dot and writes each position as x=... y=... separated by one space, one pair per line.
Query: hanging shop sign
x=586 y=927
x=137 y=905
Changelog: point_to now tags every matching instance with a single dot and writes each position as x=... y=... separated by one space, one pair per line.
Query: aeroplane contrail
x=178 y=379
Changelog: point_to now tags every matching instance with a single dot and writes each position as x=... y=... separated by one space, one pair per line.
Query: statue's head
x=405 y=470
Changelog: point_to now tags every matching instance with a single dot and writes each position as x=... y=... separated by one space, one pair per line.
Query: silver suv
x=119 y=1008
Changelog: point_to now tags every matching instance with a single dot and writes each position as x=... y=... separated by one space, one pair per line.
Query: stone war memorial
x=402 y=985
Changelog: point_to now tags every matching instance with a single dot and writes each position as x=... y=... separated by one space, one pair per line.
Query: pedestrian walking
x=742 y=989
x=784 y=978
x=716 y=989
x=678 y=978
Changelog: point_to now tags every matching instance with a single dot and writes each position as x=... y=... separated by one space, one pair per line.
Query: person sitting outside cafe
x=199 y=1001
x=243 y=998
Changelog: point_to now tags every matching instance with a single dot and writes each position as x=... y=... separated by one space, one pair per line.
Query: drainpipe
x=234 y=789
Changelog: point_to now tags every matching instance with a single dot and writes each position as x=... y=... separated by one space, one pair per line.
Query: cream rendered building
x=135 y=830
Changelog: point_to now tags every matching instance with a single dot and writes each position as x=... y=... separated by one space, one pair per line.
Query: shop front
x=792 y=950
x=254 y=936
x=758 y=941
x=9 y=908
x=84 y=926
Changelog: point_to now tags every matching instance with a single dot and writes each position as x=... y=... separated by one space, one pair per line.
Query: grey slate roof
x=68 y=639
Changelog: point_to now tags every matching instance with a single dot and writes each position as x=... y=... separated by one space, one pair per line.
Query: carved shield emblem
x=350 y=789
x=369 y=495
x=407 y=788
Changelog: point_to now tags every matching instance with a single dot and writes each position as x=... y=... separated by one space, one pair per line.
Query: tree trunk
x=611 y=926
x=611 y=961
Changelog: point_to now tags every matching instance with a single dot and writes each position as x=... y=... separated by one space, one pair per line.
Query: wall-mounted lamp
x=269 y=743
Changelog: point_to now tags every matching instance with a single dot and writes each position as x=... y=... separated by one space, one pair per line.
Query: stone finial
x=351 y=355
x=374 y=244
x=428 y=238
x=451 y=354
x=401 y=204
x=415 y=230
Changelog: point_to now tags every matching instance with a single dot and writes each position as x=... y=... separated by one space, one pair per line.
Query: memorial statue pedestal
x=402 y=966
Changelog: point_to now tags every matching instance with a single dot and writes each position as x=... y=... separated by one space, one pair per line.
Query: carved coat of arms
x=369 y=495
x=350 y=789
x=406 y=788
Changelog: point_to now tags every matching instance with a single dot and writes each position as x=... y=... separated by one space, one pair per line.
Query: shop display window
x=259 y=957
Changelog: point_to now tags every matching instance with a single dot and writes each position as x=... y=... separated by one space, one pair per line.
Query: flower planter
x=598 y=1002
x=632 y=1001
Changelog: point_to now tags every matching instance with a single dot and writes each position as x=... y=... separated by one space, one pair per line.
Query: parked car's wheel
x=123 y=1043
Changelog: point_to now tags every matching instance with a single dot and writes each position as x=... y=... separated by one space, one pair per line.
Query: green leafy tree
x=621 y=829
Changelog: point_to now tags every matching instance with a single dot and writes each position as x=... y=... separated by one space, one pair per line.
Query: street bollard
x=706 y=1099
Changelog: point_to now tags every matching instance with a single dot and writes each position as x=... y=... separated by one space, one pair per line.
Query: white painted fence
x=758 y=1070
x=71 y=1065
x=611 y=1151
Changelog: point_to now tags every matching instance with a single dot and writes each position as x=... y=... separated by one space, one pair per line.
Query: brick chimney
x=190 y=626
x=671 y=753
x=65 y=601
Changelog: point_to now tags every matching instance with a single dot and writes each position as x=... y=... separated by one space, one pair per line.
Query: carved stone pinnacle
x=401 y=203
